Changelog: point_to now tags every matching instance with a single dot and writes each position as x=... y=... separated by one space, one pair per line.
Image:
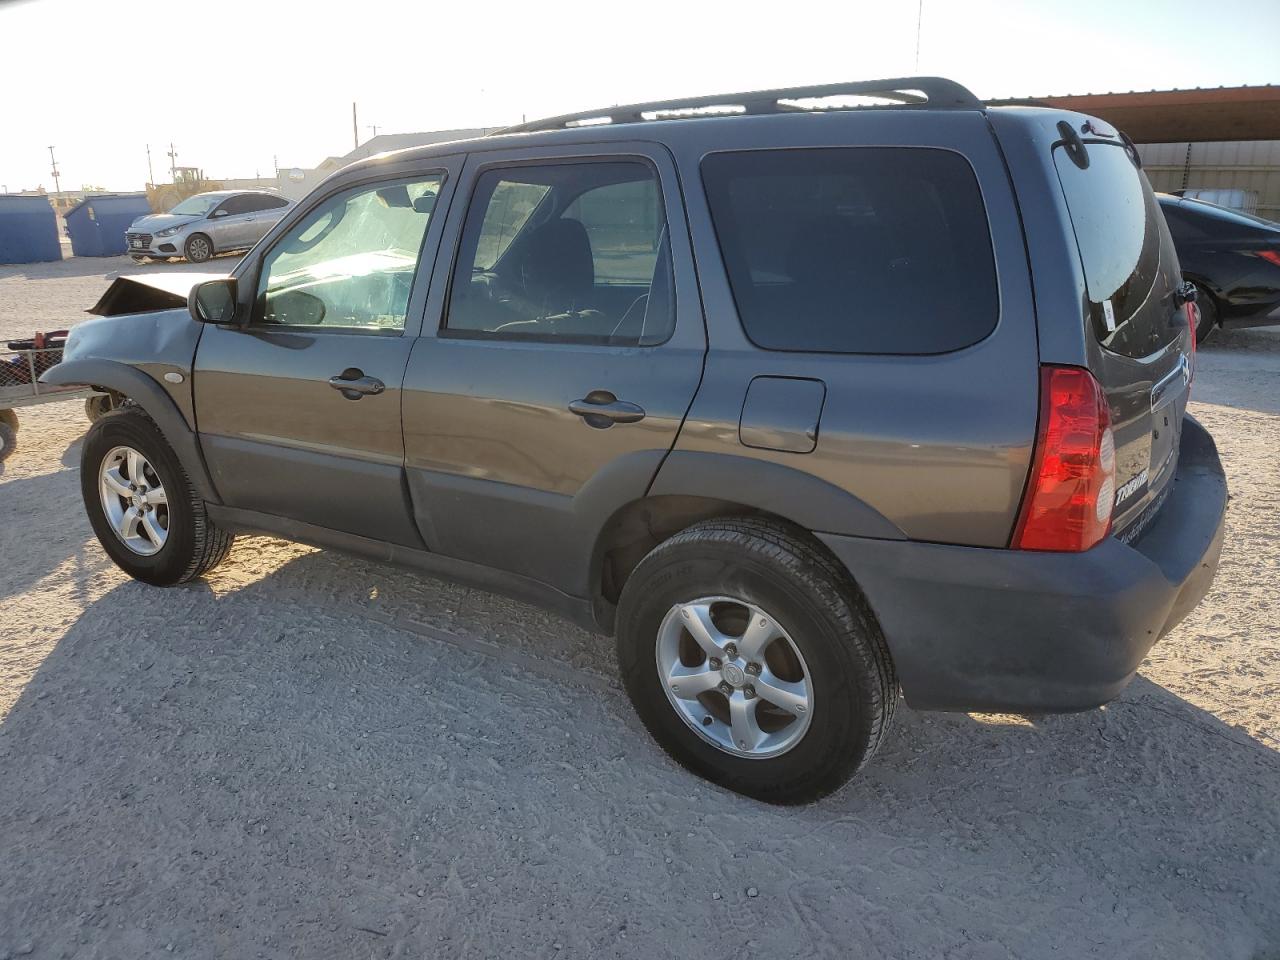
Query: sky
x=239 y=85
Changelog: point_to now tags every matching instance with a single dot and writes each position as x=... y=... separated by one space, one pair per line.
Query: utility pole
x=373 y=127
x=355 y=127
x=57 y=186
x=151 y=176
x=173 y=162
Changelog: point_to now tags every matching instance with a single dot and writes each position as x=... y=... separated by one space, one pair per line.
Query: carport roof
x=1176 y=116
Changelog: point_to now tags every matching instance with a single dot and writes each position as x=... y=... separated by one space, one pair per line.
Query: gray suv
x=809 y=405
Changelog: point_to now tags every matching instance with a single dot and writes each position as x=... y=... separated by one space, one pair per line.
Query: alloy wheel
x=735 y=676
x=134 y=500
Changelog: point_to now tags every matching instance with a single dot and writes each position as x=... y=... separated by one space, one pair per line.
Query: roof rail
x=934 y=93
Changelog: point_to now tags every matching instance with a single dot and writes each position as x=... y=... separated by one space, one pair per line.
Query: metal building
x=1221 y=143
x=97 y=224
x=1244 y=175
x=28 y=229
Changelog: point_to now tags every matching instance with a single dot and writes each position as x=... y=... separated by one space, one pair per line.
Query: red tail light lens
x=1071 y=491
x=1272 y=255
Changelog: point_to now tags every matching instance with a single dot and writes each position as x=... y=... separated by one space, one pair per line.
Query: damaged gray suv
x=813 y=397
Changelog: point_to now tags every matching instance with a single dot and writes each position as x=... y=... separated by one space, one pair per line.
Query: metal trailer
x=20 y=368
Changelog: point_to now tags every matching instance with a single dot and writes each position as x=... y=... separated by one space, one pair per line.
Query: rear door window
x=569 y=252
x=1125 y=249
x=872 y=250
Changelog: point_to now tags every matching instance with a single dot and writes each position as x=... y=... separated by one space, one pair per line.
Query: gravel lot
x=312 y=756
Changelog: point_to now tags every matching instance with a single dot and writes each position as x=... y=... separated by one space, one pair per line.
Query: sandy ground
x=312 y=756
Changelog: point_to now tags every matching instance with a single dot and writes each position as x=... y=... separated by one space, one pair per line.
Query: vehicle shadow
x=327 y=757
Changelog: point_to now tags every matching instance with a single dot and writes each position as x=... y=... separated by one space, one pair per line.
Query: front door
x=299 y=410
x=569 y=346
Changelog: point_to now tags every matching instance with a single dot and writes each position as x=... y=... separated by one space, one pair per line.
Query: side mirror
x=218 y=213
x=213 y=301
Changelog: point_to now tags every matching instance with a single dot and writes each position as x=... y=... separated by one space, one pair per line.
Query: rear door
x=1139 y=337
x=263 y=212
x=555 y=370
x=226 y=225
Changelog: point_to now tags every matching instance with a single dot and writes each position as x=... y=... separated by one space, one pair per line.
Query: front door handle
x=601 y=409
x=353 y=384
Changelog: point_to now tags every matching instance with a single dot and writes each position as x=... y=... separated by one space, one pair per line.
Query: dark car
x=1232 y=258
x=808 y=406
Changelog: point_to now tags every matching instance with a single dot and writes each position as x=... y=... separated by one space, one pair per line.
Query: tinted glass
x=1125 y=248
x=234 y=206
x=572 y=251
x=196 y=206
x=256 y=201
x=351 y=261
x=855 y=250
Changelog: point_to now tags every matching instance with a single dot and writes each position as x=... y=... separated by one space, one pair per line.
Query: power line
x=919 y=18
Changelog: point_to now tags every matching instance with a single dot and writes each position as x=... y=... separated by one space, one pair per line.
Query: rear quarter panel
x=940 y=445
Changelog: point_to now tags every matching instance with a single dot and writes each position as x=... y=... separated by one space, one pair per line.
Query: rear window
x=1125 y=249
x=876 y=250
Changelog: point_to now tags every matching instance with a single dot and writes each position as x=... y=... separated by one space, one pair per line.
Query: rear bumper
x=1006 y=630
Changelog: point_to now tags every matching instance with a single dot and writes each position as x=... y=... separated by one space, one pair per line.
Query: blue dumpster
x=28 y=229
x=97 y=223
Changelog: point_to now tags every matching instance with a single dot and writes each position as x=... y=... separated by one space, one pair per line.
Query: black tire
x=193 y=545
x=1208 y=309
x=198 y=248
x=138 y=258
x=8 y=436
x=783 y=571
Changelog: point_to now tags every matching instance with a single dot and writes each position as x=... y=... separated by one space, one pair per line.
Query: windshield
x=196 y=206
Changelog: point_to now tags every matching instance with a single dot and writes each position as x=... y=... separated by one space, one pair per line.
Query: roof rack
x=934 y=93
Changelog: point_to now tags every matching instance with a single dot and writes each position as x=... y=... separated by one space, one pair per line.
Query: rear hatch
x=1140 y=342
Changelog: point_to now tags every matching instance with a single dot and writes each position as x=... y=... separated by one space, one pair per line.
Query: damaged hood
x=156 y=222
x=146 y=292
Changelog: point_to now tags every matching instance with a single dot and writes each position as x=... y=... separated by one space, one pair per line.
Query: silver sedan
x=207 y=224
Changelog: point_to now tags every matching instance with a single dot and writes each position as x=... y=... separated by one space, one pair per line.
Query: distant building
x=1221 y=143
x=297 y=182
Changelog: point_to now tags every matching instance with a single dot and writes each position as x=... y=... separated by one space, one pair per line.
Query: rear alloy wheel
x=753 y=659
x=734 y=676
x=199 y=248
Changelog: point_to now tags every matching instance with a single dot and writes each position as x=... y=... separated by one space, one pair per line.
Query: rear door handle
x=601 y=409
x=353 y=384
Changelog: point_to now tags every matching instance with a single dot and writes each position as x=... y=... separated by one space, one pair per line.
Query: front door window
x=350 y=263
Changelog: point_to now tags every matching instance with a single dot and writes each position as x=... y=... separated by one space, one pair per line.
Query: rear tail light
x=1072 y=488
x=1271 y=255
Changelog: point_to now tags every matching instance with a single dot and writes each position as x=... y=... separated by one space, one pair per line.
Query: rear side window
x=876 y=250
x=566 y=252
x=1125 y=249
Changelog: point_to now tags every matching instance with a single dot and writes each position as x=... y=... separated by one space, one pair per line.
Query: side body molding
x=148 y=394
x=792 y=494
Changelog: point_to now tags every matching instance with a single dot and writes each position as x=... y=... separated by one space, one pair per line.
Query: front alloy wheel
x=199 y=248
x=134 y=500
